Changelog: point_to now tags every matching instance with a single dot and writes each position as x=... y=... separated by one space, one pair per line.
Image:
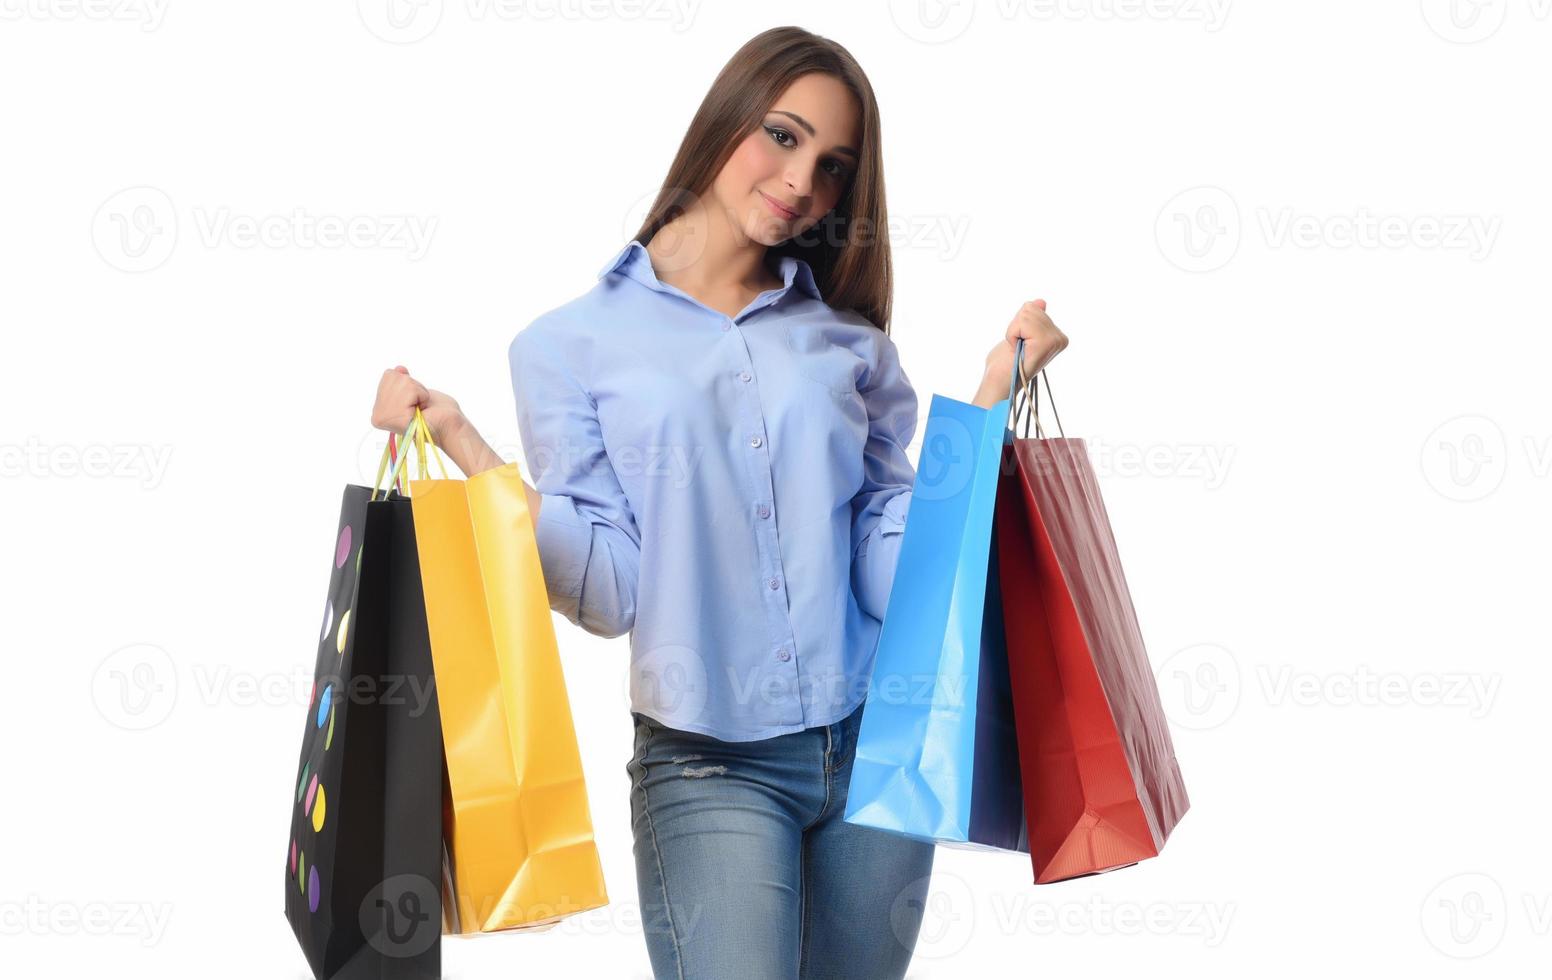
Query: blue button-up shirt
x=731 y=491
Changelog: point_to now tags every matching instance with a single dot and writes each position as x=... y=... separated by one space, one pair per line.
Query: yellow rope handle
x=423 y=429
x=418 y=434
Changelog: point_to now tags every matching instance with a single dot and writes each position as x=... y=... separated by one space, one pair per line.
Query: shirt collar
x=633 y=261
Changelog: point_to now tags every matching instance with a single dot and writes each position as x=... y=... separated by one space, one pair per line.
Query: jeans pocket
x=642 y=734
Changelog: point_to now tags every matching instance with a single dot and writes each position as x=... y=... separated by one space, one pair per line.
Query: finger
x=402 y=369
x=1023 y=324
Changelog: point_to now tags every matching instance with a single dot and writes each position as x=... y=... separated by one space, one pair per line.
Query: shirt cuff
x=565 y=540
x=891 y=520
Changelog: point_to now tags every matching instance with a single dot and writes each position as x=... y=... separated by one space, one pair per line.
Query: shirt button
x=783 y=655
x=755 y=442
x=775 y=584
x=743 y=375
x=726 y=325
x=765 y=511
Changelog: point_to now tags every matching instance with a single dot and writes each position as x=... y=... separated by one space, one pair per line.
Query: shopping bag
x=519 y=828
x=936 y=756
x=363 y=863
x=1102 y=786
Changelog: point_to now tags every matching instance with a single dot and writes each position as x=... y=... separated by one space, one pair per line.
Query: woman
x=717 y=433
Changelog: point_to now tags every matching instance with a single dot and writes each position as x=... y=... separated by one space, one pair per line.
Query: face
x=787 y=174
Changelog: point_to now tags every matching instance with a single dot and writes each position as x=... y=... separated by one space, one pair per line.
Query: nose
x=800 y=179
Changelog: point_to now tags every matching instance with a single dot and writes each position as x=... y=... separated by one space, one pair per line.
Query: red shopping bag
x=1102 y=789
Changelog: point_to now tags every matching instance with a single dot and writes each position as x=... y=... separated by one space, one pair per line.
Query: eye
x=834 y=168
x=840 y=171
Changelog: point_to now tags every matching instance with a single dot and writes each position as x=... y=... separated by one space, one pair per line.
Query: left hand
x=399 y=394
x=1042 y=342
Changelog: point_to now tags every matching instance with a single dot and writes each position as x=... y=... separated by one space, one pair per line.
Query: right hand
x=398 y=395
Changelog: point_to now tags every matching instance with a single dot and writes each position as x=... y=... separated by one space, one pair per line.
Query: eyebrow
x=806 y=125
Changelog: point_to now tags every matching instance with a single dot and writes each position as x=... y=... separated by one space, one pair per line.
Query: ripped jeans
x=746 y=871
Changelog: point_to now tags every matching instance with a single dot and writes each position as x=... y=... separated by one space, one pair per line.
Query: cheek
x=750 y=164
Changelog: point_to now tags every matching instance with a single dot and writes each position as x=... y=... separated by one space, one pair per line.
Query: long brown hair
x=848 y=249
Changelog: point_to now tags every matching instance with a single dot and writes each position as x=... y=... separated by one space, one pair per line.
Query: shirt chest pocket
x=819 y=359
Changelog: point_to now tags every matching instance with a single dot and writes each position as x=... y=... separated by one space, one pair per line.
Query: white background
x=1301 y=252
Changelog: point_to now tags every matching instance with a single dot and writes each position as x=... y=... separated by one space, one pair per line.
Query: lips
x=777 y=208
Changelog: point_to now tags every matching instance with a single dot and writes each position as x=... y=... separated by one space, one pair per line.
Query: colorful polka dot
x=301 y=784
x=312 y=790
x=342 y=548
x=318 y=810
x=358 y=557
x=344 y=623
x=312 y=889
x=301 y=864
x=328 y=619
x=293 y=855
x=323 y=704
x=328 y=738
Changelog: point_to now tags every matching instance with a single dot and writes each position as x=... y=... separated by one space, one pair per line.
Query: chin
x=765 y=231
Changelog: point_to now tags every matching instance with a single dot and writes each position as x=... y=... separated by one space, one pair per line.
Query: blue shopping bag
x=937 y=750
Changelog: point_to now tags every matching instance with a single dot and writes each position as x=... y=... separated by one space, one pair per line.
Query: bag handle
x=418 y=433
x=393 y=454
x=1031 y=393
x=423 y=439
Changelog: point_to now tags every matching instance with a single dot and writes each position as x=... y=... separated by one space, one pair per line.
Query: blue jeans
x=746 y=871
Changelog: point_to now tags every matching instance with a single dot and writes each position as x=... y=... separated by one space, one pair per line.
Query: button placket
x=778 y=613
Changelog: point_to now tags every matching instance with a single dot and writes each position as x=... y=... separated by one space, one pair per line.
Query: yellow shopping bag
x=519 y=832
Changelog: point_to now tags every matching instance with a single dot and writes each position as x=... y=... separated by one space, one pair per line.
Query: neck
x=702 y=251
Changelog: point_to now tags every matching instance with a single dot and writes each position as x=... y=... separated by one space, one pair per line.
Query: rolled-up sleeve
x=880 y=506
x=589 y=544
